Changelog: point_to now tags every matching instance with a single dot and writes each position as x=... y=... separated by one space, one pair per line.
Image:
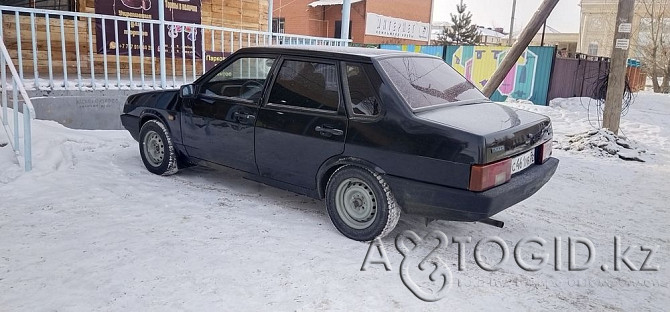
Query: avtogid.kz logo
x=421 y=257
x=441 y=274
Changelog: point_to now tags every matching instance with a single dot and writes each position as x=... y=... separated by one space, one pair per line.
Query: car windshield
x=427 y=81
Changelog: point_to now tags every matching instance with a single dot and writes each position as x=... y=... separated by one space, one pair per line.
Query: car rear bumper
x=445 y=203
x=132 y=124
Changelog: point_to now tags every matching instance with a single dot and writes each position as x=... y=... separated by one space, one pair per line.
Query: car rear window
x=427 y=81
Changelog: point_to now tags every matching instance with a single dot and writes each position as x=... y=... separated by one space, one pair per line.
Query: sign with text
x=385 y=26
x=178 y=39
x=622 y=44
x=625 y=27
x=213 y=58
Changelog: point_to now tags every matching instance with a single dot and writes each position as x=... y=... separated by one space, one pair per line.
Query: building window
x=278 y=25
x=593 y=49
x=338 y=29
x=61 y=5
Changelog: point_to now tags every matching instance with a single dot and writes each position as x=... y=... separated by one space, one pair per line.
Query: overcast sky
x=497 y=13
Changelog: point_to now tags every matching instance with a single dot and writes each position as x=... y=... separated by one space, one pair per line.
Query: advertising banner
x=212 y=58
x=384 y=26
x=177 y=39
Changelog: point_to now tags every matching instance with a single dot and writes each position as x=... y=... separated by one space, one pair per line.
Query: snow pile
x=603 y=143
x=3 y=138
x=518 y=101
x=9 y=168
x=575 y=120
x=57 y=148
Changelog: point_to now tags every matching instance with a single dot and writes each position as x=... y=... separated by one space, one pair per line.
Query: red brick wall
x=320 y=21
x=299 y=17
x=357 y=15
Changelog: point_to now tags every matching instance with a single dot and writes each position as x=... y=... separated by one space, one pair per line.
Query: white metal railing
x=12 y=128
x=123 y=67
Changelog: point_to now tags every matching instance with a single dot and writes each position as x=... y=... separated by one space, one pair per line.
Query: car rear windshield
x=427 y=81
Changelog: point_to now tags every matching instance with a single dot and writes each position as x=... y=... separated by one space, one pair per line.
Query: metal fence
x=71 y=50
x=13 y=126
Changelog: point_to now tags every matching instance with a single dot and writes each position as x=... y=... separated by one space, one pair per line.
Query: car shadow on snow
x=233 y=185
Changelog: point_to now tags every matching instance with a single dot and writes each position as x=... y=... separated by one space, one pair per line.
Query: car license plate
x=523 y=161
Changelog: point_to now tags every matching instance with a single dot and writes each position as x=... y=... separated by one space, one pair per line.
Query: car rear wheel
x=156 y=148
x=361 y=204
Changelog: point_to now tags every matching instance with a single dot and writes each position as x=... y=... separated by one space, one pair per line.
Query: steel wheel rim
x=356 y=203
x=154 y=148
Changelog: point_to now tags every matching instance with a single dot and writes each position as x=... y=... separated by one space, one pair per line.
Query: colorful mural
x=478 y=64
x=430 y=50
x=527 y=80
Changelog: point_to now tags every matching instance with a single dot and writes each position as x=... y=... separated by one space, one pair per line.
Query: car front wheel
x=361 y=204
x=156 y=148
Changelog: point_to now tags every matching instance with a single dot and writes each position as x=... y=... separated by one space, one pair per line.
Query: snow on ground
x=91 y=229
x=647 y=123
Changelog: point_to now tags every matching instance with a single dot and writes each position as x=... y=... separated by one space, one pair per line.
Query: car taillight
x=483 y=177
x=545 y=151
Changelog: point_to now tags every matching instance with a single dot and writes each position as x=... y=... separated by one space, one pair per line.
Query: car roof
x=329 y=51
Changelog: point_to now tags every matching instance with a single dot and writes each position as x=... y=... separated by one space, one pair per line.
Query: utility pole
x=346 y=14
x=430 y=24
x=519 y=46
x=616 y=82
x=511 y=23
x=270 y=13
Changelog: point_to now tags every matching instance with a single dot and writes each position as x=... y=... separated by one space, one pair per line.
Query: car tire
x=360 y=203
x=156 y=148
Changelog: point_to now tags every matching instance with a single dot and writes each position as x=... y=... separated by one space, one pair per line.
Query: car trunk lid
x=506 y=131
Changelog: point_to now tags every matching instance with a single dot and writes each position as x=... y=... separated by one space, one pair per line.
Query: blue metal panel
x=425 y=49
x=545 y=57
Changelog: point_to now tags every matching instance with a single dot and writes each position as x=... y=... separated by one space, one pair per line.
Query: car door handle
x=243 y=116
x=331 y=131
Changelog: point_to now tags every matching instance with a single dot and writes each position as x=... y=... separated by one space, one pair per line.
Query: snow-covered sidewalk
x=91 y=229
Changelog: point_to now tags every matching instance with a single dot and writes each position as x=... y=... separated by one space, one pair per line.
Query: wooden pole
x=616 y=82
x=519 y=46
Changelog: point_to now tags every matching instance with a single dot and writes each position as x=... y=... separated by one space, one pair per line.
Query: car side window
x=243 y=79
x=361 y=93
x=307 y=85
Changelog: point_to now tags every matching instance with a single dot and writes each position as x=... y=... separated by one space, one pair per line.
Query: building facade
x=491 y=36
x=598 y=22
x=244 y=14
x=372 y=21
x=565 y=43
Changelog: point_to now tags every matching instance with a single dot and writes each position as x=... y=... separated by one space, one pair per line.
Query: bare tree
x=653 y=42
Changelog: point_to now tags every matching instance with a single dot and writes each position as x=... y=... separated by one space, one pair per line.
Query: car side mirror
x=187 y=91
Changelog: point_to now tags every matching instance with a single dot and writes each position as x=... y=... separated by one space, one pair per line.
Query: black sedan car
x=372 y=132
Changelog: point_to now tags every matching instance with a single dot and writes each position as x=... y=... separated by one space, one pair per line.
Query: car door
x=218 y=125
x=303 y=122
